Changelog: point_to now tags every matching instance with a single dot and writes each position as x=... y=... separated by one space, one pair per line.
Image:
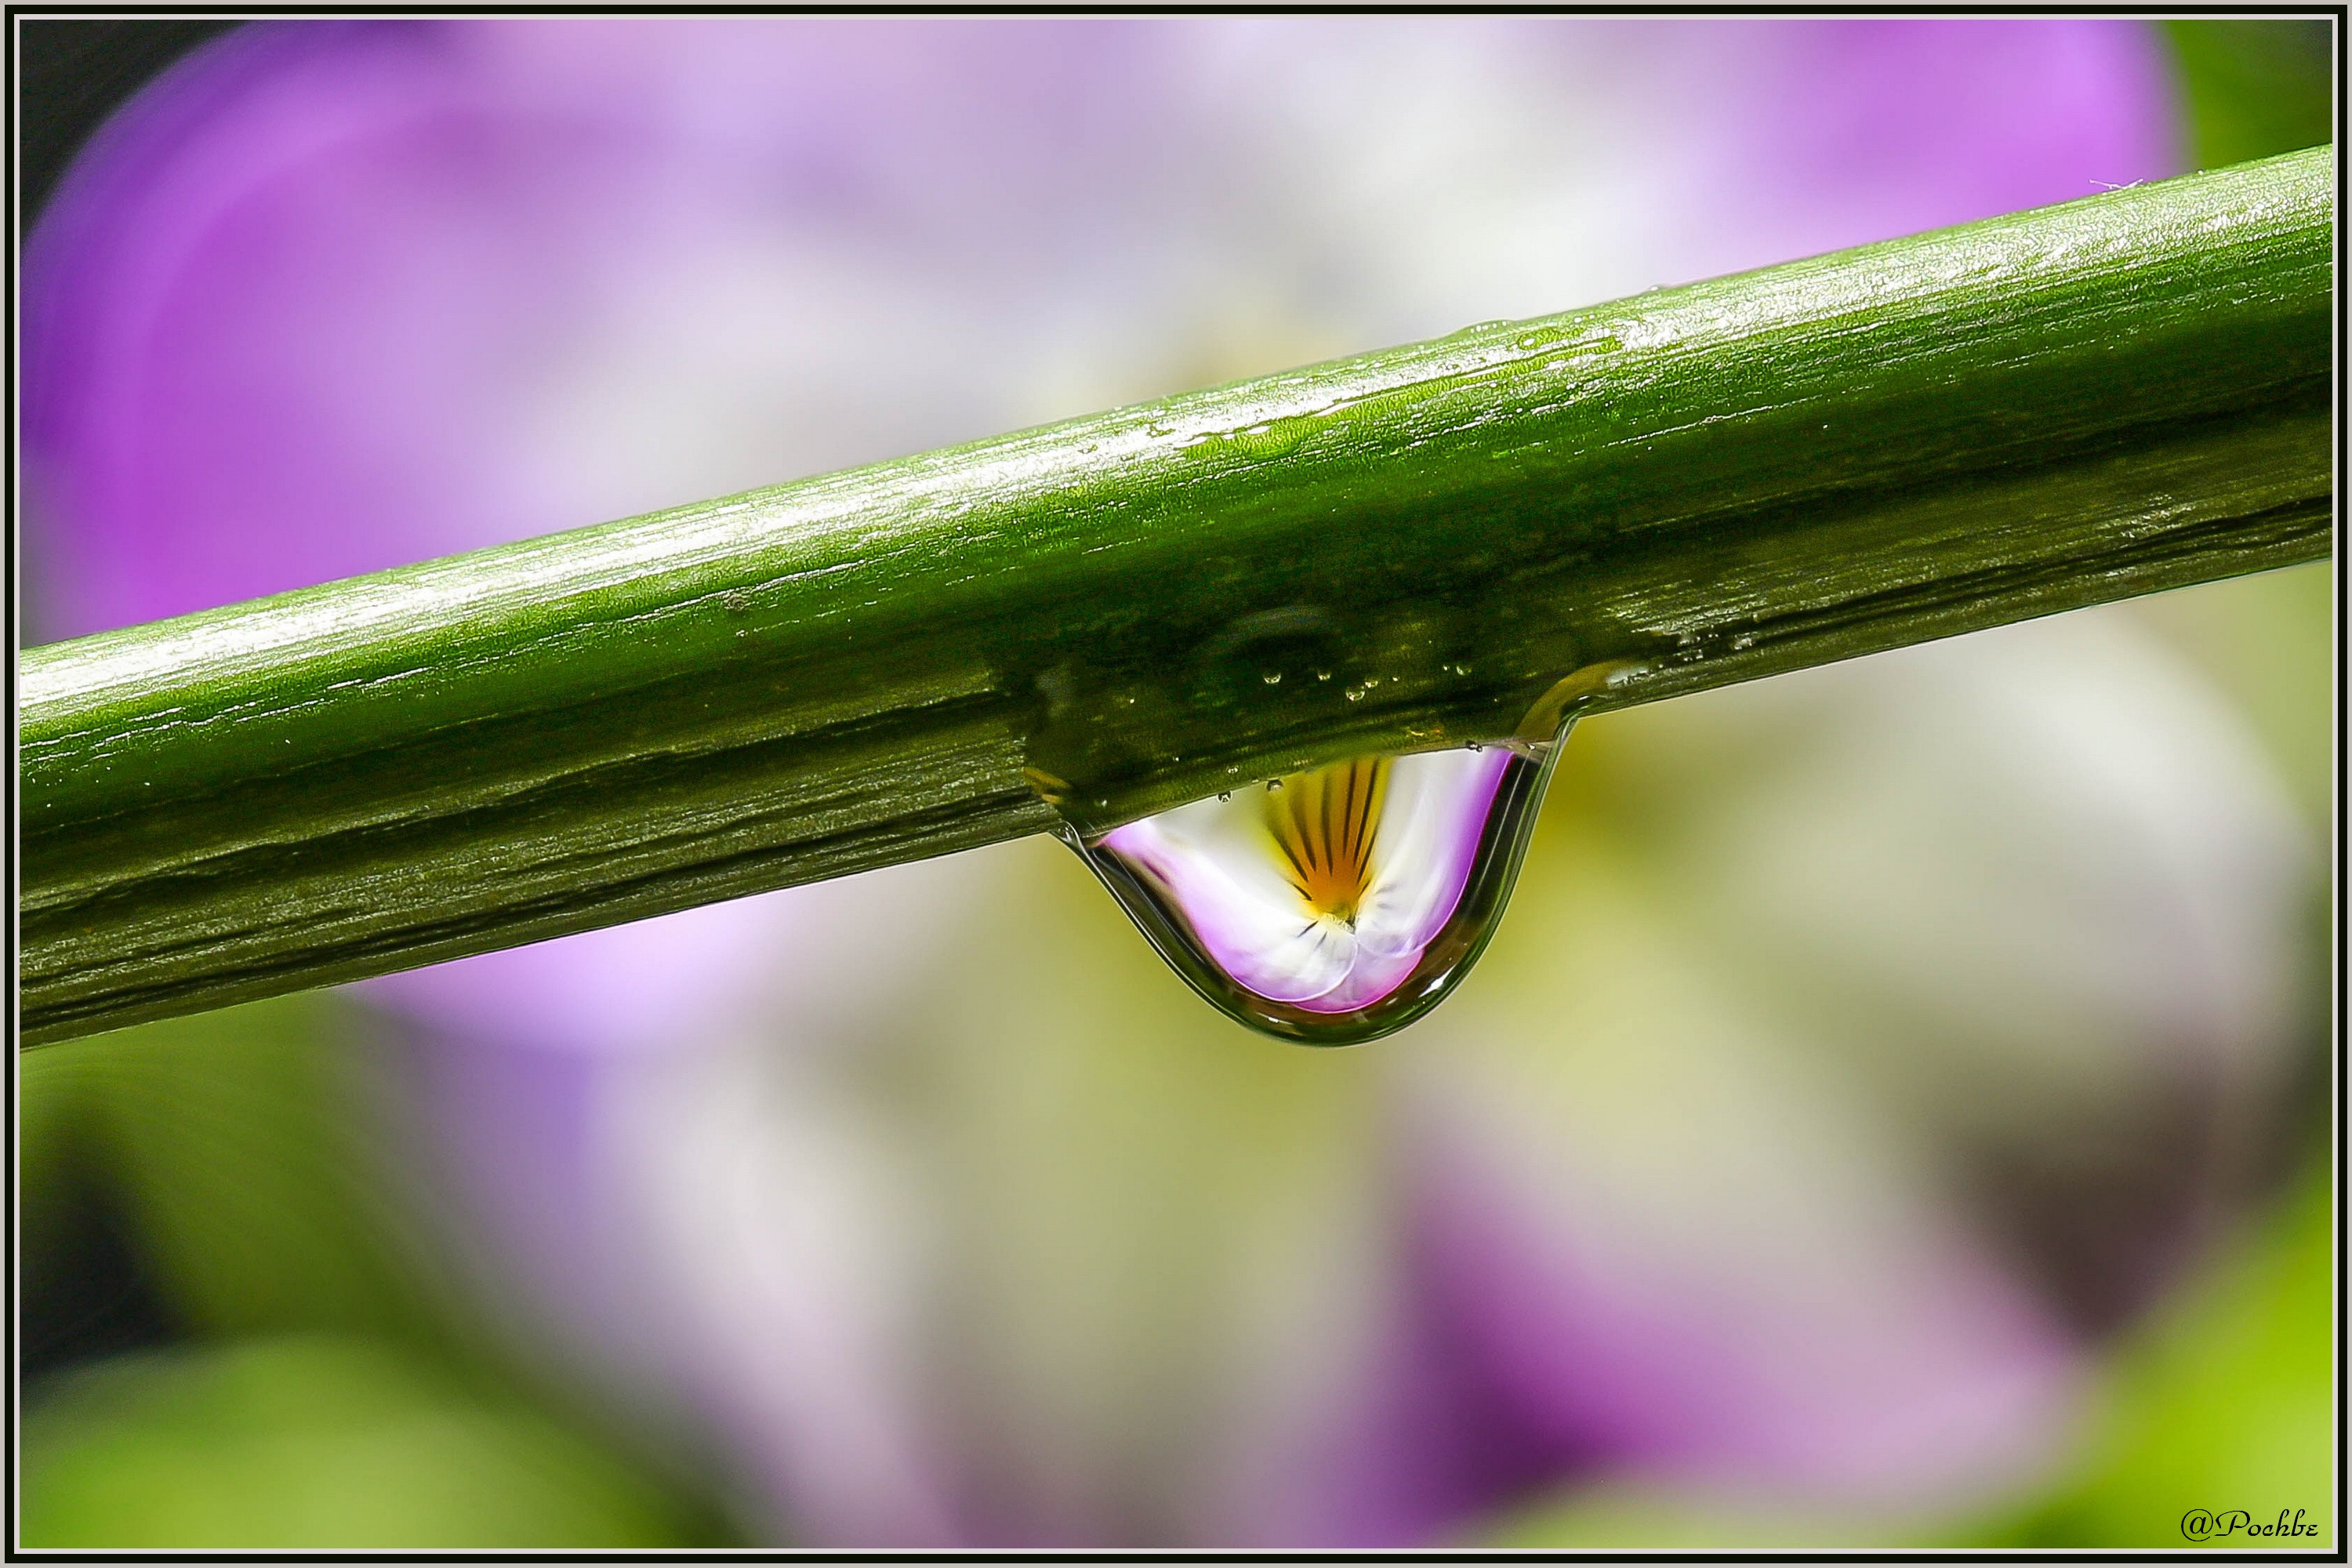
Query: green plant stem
x=1407 y=549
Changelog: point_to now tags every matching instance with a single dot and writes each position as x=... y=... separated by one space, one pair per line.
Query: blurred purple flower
x=332 y=297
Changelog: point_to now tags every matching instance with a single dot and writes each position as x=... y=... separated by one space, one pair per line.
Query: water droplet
x=1340 y=909
x=1322 y=675
x=1558 y=708
x=1272 y=678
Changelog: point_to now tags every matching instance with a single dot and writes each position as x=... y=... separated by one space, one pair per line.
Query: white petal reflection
x=1437 y=807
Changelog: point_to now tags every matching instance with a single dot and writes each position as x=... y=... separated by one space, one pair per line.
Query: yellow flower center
x=1323 y=823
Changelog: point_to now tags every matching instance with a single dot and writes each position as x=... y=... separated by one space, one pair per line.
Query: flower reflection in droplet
x=1323 y=894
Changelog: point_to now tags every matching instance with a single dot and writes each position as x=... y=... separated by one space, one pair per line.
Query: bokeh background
x=1896 y=1111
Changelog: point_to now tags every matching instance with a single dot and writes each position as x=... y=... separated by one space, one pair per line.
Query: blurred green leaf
x=232 y=1140
x=2254 y=88
x=238 y=1144
x=314 y=1441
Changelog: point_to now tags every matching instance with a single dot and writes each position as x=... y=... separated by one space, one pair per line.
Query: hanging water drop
x=1344 y=906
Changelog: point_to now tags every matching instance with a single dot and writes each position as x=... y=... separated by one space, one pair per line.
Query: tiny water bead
x=1336 y=905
